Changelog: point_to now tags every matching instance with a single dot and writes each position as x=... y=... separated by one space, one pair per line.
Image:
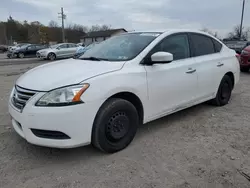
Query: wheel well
x=134 y=100
x=51 y=53
x=231 y=75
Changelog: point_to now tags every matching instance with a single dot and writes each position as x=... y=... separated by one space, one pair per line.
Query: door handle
x=190 y=71
x=220 y=64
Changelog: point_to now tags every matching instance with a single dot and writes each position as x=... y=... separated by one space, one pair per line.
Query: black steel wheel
x=224 y=92
x=115 y=125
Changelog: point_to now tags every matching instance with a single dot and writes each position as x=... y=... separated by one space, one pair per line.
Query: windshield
x=54 y=46
x=21 y=45
x=121 y=48
x=24 y=45
x=90 y=46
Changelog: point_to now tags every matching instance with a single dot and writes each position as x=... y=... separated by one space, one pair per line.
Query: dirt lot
x=200 y=147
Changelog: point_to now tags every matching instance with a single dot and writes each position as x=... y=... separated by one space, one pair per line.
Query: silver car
x=58 y=51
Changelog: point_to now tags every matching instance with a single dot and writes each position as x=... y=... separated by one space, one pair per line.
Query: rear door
x=206 y=52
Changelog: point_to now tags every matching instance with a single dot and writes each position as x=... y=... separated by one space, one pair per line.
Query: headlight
x=63 y=96
x=244 y=52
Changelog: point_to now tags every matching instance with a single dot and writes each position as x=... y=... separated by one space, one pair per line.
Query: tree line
x=34 y=32
x=233 y=35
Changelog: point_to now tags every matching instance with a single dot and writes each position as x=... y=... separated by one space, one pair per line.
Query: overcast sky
x=217 y=15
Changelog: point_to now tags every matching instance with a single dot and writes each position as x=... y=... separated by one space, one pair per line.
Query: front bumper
x=11 y=54
x=74 y=121
x=244 y=61
x=41 y=55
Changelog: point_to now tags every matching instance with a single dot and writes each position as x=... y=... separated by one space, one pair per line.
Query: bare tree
x=99 y=28
x=235 y=34
x=53 y=23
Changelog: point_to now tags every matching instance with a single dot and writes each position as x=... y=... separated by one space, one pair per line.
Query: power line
x=63 y=17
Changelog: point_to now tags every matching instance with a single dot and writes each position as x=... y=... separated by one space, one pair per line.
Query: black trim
x=56 y=135
x=59 y=104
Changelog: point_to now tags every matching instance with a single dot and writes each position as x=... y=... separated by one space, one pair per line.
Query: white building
x=98 y=36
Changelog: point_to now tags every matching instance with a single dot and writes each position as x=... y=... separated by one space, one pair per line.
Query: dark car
x=237 y=45
x=3 y=48
x=26 y=50
x=245 y=59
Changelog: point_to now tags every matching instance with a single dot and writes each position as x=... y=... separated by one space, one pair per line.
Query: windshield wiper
x=93 y=58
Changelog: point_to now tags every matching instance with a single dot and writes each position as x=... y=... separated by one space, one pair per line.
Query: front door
x=172 y=86
x=72 y=49
x=63 y=51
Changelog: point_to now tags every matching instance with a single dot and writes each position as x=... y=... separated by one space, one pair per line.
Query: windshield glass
x=122 y=47
x=24 y=45
x=21 y=45
x=54 y=46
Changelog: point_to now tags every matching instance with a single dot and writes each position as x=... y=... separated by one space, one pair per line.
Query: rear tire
x=115 y=125
x=224 y=92
x=244 y=69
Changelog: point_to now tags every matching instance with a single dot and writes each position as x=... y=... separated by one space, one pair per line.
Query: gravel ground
x=200 y=147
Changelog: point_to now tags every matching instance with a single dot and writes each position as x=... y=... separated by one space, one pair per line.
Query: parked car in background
x=81 y=50
x=3 y=48
x=26 y=50
x=237 y=45
x=58 y=51
x=126 y=80
x=81 y=44
x=245 y=59
x=12 y=48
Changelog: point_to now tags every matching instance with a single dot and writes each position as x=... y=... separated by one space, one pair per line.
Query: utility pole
x=242 y=17
x=63 y=17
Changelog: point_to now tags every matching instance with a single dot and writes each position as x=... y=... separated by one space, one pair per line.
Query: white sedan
x=127 y=80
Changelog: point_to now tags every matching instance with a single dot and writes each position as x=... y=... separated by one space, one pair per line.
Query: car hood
x=66 y=72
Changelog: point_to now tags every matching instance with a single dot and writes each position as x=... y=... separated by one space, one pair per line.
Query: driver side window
x=64 y=46
x=177 y=45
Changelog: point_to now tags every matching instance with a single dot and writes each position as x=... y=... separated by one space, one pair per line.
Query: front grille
x=50 y=134
x=21 y=96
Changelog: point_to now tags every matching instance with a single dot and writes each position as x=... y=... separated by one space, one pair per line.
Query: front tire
x=115 y=125
x=21 y=55
x=224 y=92
x=51 y=56
x=244 y=69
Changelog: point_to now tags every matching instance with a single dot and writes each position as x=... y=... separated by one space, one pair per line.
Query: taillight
x=238 y=57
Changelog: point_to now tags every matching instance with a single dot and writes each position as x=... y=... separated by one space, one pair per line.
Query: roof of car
x=169 y=31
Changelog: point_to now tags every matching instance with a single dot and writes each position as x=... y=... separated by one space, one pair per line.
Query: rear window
x=202 y=45
x=217 y=45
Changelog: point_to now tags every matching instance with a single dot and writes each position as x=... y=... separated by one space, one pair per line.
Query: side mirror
x=162 y=57
x=58 y=48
